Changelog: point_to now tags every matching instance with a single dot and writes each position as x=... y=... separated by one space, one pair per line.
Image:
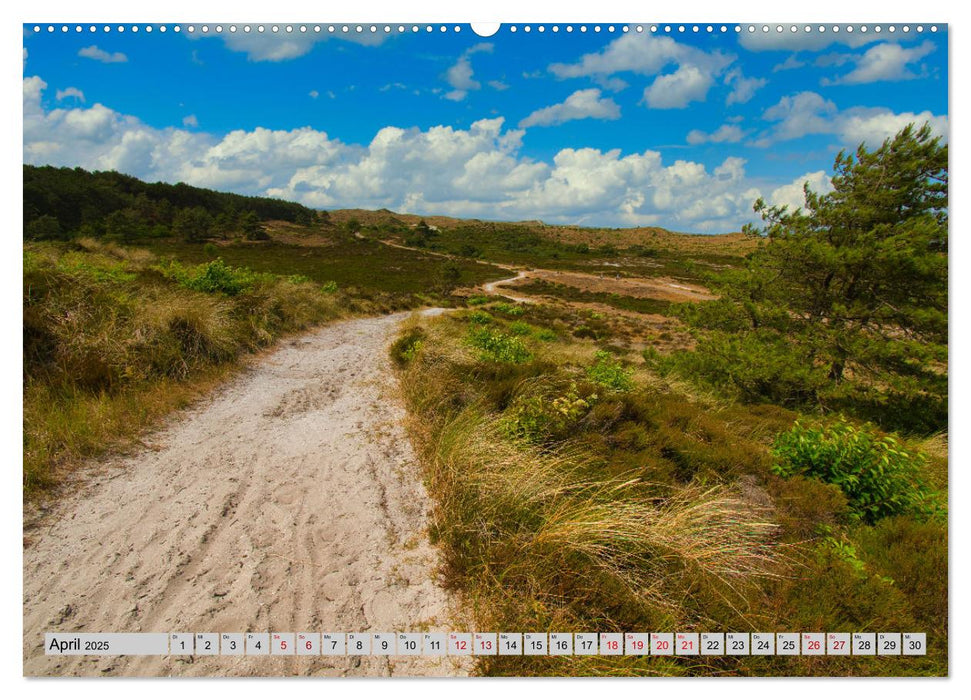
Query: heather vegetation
x=768 y=457
x=784 y=472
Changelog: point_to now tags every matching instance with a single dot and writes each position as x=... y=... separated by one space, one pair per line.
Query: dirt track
x=289 y=501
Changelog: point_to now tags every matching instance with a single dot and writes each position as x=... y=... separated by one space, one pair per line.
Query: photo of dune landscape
x=548 y=350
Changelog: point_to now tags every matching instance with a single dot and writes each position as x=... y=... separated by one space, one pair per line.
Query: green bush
x=479 y=317
x=519 y=328
x=407 y=346
x=546 y=335
x=610 y=373
x=212 y=277
x=539 y=418
x=496 y=346
x=877 y=474
x=507 y=309
x=477 y=300
x=329 y=287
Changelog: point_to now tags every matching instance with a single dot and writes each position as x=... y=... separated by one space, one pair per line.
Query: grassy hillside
x=578 y=490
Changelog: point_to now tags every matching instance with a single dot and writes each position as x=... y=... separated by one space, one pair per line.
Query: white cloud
x=498 y=85
x=743 y=89
x=812 y=40
x=884 y=62
x=800 y=115
x=459 y=75
x=645 y=54
x=791 y=63
x=582 y=104
x=286 y=46
x=675 y=90
x=314 y=94
x=191 y=121
x=874 y=125
x=69 y=92
x=478 y=171
x=793 y=195
x=726 y=133
x=808 y=113
x=94 y=53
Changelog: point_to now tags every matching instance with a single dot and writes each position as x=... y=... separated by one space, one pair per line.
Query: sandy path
x=290 y=501
x=493 y=288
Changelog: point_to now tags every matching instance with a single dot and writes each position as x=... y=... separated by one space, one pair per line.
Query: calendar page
x=520 y=349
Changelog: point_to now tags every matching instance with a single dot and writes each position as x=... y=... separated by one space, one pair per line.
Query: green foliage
x=496 y=346
x=329 y=287
x=406 y=347
x=547 y=335
x=212 y=277
x=479 y=317
x=448 y=277
x=112 y=341
x=507 y=309
x=755 y=366
x=610 y=373
x=879 y=477
x=520 y=328
x=192 y=225
x=80 y=199
x=852 y=288
x=543 y=416
x=477 y=300
x=43 y=228
x=251 y=227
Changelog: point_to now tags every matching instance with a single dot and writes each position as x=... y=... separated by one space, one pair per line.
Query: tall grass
x=542 y=537
x=565 y=504
x=113 y=339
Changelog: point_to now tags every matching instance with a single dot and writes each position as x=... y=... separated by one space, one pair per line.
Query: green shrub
x=546 y=335
x=479 y=317
x=540 y=417
x=877 y=474
x=477 y=300
x=610 y=373
x=498 y=347
x=407 y=346
x=212 y=277
x=519 y=328
x=757 y=367
x=508 y=309
x=329 y=287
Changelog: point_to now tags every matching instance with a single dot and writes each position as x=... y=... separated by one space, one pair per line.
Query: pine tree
x=851 y=287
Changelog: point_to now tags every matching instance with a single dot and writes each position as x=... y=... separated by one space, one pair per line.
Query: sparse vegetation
x=114 y=338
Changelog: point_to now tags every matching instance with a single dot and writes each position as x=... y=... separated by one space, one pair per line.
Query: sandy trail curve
x=289 y=501
x=493 y=288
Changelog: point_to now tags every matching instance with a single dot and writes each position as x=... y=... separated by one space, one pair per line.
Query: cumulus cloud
x=812 y=40
x=694 y=71
x=479 y=171
x=808 y=113
x=793 y=194
x=726 y=133
x=96 y=54
x=743 y=89
x=582 y=104
x=191 y=121
x=459 y=75
x=883 y=62
x=70 y=92
x=286 y=46
x=791 y=63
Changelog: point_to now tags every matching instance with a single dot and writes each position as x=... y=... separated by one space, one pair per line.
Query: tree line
x=61 y=203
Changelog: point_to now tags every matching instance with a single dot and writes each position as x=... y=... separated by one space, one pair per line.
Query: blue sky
x=681 y=130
